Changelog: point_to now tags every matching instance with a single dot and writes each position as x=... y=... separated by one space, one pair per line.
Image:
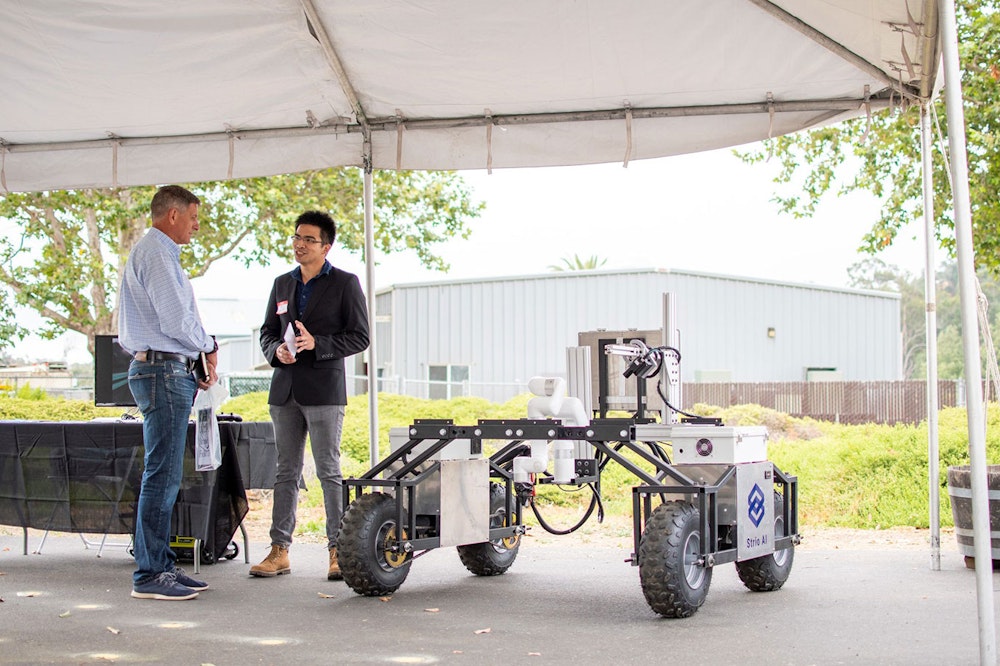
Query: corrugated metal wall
x=510 y=329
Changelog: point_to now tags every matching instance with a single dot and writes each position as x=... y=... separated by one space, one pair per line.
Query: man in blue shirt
x=160 y=326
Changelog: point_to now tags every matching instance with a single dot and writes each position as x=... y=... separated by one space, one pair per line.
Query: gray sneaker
x=163 y=586
x=187 y=581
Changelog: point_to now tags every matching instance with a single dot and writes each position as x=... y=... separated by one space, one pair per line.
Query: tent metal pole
x=930 y=335
x=369 y=203
x=970 y=333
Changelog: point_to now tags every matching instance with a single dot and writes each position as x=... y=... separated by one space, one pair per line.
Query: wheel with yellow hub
x=492 y=558
x=366 y=548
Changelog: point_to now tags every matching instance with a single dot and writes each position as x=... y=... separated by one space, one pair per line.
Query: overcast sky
x=705 y=212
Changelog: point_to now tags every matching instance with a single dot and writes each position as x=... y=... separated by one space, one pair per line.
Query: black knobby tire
x=769 y=572
x=366 y=535
x=674 y=580
x=492 y=558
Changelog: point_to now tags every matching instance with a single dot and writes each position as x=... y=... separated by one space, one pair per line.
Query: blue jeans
x=323 y=424
x=164 y=392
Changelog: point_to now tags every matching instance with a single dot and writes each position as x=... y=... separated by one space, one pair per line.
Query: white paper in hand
x=290 y=339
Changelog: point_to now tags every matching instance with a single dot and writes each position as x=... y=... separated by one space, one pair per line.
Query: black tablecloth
x=85 y=477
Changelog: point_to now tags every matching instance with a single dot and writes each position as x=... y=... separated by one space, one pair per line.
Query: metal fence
x=841 y=402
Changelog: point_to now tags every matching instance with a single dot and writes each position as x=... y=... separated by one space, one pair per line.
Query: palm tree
x=578 y=264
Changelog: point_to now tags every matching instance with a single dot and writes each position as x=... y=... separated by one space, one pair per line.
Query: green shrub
x=52 y=409
x=865 y=476
x=26 y=392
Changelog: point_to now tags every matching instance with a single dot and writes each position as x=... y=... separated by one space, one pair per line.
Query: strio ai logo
x=755 y=505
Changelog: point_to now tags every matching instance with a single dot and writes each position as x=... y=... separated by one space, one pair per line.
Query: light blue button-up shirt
x=157 y=306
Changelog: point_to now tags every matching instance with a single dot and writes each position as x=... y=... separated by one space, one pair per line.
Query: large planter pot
x=960 y=492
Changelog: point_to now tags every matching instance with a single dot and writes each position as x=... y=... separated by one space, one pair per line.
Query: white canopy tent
x=126 y=93
x=111 y=93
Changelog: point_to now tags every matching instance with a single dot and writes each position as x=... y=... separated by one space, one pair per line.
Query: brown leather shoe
x=334 y=572
x=275 y=564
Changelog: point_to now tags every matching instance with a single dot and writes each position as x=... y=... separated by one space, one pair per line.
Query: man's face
x=183 y=223
x=309 y=248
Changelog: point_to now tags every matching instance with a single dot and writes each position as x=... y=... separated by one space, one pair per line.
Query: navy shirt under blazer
x=335 y=315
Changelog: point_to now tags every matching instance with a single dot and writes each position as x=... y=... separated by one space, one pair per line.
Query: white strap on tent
x=906 y=58
x=867 y=104
x=114 y=159
x=628 y=134
x=3 y=166
x=232 y=150
x=770 y=125
x=489 y=141
x=399 y=140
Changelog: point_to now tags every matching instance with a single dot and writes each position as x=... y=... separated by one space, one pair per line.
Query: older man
x=160 y=326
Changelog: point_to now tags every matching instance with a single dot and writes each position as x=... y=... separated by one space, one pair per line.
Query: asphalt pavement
x=559 y=604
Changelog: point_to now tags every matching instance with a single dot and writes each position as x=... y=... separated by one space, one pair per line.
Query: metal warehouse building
x=496 y=333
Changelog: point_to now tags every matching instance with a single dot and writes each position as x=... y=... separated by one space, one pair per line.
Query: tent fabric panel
x=174 y=84
x=88 y=70
x=530 y=57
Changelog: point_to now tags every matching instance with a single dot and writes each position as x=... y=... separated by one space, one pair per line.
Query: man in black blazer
x=316 y=317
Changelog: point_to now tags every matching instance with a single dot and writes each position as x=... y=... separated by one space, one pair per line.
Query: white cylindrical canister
x=565 y=464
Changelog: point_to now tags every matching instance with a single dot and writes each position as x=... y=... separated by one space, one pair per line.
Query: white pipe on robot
x=551 y=401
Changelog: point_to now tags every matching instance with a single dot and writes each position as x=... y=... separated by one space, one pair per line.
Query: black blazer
x=336 y=315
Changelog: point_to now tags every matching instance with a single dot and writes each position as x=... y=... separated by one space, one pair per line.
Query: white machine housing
x=731 y=445
x=704 y=454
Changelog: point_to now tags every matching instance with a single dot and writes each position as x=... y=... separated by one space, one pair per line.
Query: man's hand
x=284 y=355
x=304 y=340
x=212 y=360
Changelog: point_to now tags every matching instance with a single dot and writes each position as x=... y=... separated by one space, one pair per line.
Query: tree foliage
x=873 y=273
x=62 y=252
x=881 y=154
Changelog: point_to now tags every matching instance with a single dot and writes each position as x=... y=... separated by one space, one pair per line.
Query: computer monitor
x=111 y=373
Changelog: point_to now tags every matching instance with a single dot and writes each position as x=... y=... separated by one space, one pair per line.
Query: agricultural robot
x=706 y=493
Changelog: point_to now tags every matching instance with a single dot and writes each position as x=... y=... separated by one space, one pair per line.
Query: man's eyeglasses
x=305 y=239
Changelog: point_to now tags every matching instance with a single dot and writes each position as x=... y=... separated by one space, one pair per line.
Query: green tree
x=576 y=263
x=873 y=273
x=62 y=252
x=951 y=362
x=881 y=155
